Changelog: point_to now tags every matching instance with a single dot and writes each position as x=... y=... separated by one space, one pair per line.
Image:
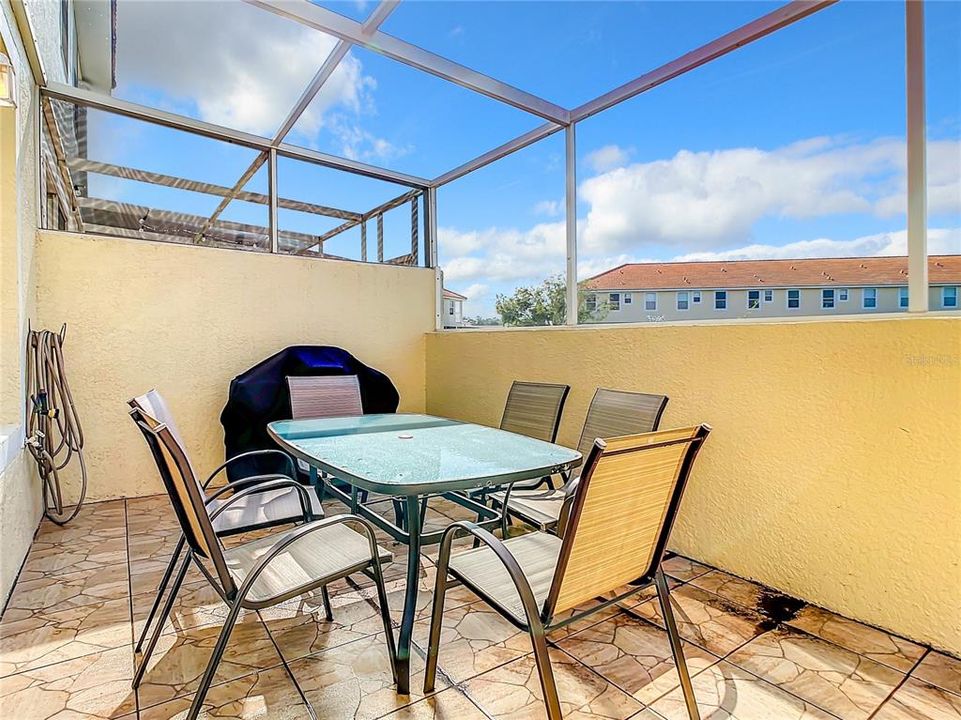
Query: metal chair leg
x=677 y=649
x=328 y=610
x=436 y=617
x=214 y=661
x=160 y=592
x=545 y=673
x=385 y=615
x=158 y=628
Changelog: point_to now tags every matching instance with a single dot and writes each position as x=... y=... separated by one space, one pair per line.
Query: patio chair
x=324 y=396
x=272 y=505
x=612 y=413
x=616 y=534
x=261 y=573
x=532 y=409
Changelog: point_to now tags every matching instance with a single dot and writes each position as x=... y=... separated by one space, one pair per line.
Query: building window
x=590 y=302
x=614 y=300
x=628 y=298
x=949 y=297
x=753 y=299
x=650 y=301
x=869 y=298
x=827 y=299
x=697 y=296
x=793 y=299
x=843 y=294
x=682 y=300
x=720 y=299
x=450 y=310
x=902 y=297
x=768 y=296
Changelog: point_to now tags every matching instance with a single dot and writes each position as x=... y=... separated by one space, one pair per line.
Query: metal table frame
x=411 y=535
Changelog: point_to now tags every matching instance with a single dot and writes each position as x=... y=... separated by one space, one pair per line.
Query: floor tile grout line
x=901 y=684
x=773 y=684
x=33 y=540
x=286 y=666
x=190 y=695
x=786 y=624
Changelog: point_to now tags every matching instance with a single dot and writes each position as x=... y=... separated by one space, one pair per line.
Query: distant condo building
x=651 y=292
x=453 y=309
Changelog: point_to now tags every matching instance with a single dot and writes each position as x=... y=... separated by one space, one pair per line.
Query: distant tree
x=479 y=321
x=544 y=304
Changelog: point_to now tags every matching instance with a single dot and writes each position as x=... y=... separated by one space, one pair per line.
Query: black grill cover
x=260 y=395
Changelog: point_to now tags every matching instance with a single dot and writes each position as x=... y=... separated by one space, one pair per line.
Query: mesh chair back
x=615 y=413
x=534 y=409
x=324 y=396
x=153 y=419
x=623 y=512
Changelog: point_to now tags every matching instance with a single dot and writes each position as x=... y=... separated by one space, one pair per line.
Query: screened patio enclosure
x=299 y=164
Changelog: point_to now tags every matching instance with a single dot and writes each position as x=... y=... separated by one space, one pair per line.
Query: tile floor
x=67 y=634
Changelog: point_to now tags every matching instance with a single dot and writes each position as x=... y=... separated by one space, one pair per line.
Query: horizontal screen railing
x=107 y=173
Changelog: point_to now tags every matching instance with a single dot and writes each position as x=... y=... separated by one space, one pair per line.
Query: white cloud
x=549 y=208
x=607 y=158
x=240 y=66
x=941 y=241
x=711 y=199
x=501 y=254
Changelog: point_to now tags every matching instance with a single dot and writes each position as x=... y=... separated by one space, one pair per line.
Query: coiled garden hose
x=54 y=433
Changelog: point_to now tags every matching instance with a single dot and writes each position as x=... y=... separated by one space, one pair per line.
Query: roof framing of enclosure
x=367 y=35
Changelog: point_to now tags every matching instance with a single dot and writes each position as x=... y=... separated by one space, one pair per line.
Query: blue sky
x=792 y=146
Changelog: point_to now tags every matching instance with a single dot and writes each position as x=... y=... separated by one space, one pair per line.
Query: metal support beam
x=518 y=143
x=363 y=241
x=414 y=229
x=352 y=31
x=227 y=199
x=571 y=208
x=377 y=212
x=374 y=21
x=765 y=25
x=56 y=142
x=380 y=238
x=430 y=226
x=98 y=101
x=272 y=206
x=146 y=176
x=917 y=160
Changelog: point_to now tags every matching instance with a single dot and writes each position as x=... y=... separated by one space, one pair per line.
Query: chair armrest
x=243 y=484
x=276 y=484
x=252 y=453
x=517 y=575
x=301 y=532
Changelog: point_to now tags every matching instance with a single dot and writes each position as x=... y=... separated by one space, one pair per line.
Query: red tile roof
x=451 y=295
x=820 y=272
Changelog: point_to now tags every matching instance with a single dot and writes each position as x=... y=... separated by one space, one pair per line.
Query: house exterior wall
x=20 y=496
x=187 y=319
x=832 y=472
x=453 y=312
x=810 y=304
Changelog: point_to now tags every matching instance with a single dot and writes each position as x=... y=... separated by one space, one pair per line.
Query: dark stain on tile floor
x=777 y=608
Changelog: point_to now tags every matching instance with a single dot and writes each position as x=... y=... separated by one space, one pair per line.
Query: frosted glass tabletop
x=408 y=454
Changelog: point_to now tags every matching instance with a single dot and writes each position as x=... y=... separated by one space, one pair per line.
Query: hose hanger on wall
x=54 y=433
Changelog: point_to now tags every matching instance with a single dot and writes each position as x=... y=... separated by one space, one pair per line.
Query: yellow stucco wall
x=187 y=319
x=834 y=469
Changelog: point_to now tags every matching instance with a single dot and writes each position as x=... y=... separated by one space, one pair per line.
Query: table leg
x=410 y=597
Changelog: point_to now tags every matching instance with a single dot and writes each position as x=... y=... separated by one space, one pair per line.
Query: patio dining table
x=409 y=457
